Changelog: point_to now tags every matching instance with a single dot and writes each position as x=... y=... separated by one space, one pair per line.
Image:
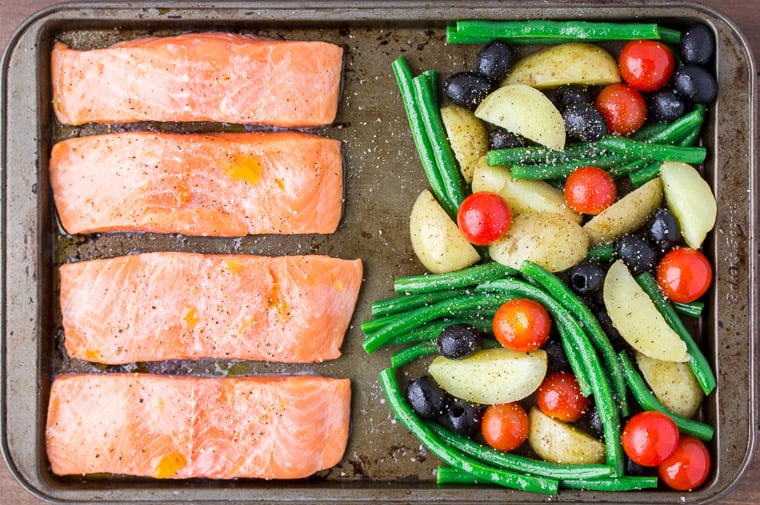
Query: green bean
x=589 y=322
x=608 y=411
x=419 y=134
x=411 y=353
x=697 y=361
x=646 y=174
x=691 y=309
x=539 y=154
x=678 y=129
x=450 y=280
x=403 y=303
x=563 y=169
x=650 y=151
x=432 y=77
x=624 y=483
x=516 y=462
x=648 y=401
x=668 y=35
x=430 y=331
x=692 y=138
x=451 y=176
x=646 y=132
x=601 y=252
x=546 y=31
x=397 y=324
x=627 y=168
x=574 y=357
x=453 y=458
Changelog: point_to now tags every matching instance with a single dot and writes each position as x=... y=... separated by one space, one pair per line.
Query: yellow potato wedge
x=467 y=136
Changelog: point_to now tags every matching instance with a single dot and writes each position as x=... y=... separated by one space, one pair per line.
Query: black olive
x=462 y=417
x=494 y=60
x=592 y=419
x=635 y=469
x=499 y=138
x=467 y=89
x=663 y=229
x=571 y=94
x=637 y=253
x=697 y=44
x=666 y=105
x=425 y=397
x=556 y=357
x=695 y=83
x=459 y=341
x=584 y=122
x=586 y=277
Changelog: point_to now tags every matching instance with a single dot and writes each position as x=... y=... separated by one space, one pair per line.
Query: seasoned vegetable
x=467 y=135
x=459 y=341
x=647 y=65
x=673 y=384
x=522 y=324
x=589 y=190
x=623 y=108
x=690 y=198
x=650 y=437
x=559 y=442
x=505 y=426
x=425 y=397
x=484 y=217
x=559 y=396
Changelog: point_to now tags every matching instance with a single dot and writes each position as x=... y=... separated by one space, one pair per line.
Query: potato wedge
x=673 y=384
x=467 y=136
x=559 y=442
x=436 y=239
x=491 y=376
x=525 y=111
x=637 y=319
x=626 y=215
x=551 y=240
x=523 y=195
x=690 y=198
x=570 y=63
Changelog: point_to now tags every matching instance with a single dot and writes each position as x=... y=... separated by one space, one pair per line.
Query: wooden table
x=745 y=13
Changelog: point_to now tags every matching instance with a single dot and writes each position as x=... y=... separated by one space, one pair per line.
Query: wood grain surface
x=745 y=13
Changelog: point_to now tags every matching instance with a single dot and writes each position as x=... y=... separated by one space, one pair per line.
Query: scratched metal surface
x=383 y=176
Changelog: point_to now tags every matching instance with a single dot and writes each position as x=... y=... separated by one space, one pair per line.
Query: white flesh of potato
x=690 y=198
x=626 y=215
x=436 y=239
x=526 y=111
x=551 y=240
x=673 y=383
x=570 y=63
x=491 y=376
x=559 y=442
x=522 y=195
x=467 y=136
x=637 y=319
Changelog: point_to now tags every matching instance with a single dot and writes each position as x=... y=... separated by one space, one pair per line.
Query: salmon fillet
x=183 y=427
x=224 y=184
x=170 y=305
x=220 y=77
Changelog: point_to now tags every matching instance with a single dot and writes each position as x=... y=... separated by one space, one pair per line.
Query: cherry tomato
x=589 y=190
x=522 y=324
x=646 y=65
x=505 y=426
x=623 y=108
x=649 y=438
x=484 y=217
x=559 y=396
x=684 y=274
x=688 y=467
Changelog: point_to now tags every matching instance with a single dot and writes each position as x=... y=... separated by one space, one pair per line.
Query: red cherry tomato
x=646 y=65
x=589 y=190
x=684 y=274
x=505 y=426
x=623 y=108
x=559 y=396
x=688 y=467
x=649 y=438
x=522 y=324
x=484 y=217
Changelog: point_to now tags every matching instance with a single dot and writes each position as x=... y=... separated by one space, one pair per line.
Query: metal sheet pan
x=383 y=463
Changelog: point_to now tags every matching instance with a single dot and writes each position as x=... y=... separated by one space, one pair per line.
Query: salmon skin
x=219 y=77
x=222 y=184
x=184 y=427
x=172 y=305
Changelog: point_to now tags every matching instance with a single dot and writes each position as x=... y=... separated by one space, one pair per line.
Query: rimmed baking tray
x=383 y=463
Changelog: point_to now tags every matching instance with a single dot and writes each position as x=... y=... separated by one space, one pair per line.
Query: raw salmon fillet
x=182 y=427
x=223 y=184
x=220 y=77
x=172 y=305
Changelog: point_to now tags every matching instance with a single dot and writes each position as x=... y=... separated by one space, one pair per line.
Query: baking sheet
x=383 y=177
